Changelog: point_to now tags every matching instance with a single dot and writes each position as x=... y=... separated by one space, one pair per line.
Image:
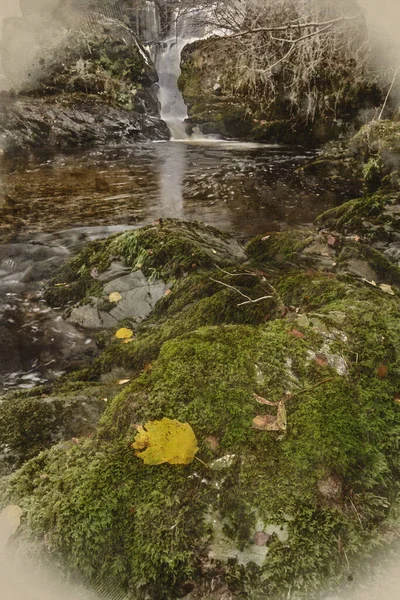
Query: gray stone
x=125 y=283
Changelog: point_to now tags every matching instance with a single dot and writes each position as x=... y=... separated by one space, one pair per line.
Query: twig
x=232 y=288
x=388 y=94
x=254 y=301
x=355 y=510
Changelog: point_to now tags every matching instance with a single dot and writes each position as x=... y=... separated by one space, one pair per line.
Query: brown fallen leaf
x=260 y=538
x=167 y=292
x=297 y=334
x=321 y=360
x=262 y=400
x=94 y=273
x=382 y=371
x=212 y=442
x=332 y=240
x=266 y=423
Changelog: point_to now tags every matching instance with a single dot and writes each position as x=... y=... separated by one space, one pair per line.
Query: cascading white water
x=182 y=31
x=173 y=108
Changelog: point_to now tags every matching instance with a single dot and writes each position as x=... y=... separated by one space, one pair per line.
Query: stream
x=52 y=204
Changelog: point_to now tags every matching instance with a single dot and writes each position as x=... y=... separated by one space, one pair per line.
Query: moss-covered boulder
x=154 y=255
x=81 y=83
x=33 y=421
x=291 y=389
x=227 y=96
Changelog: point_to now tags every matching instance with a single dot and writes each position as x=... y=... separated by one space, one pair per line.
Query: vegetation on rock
x=324 y=345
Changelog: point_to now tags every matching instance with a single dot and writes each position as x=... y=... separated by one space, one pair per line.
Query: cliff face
x=75 y=77
x=221 y=97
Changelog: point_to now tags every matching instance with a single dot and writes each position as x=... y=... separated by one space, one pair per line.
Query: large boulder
x=287 y=372
x=80 y=83
x=223 y=98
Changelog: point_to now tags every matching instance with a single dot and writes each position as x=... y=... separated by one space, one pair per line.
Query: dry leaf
x=167 y=292
x=265 y=238
x=281 y=417
x=387 y=289
x=321 y=360
x=128 y=341
x=212 y=442
x=123 y=381
x=262 y=400
x=297 y=334
x=114 y=297
x=266 y=423
x=382 y=371
x=124 y=333
x=332 y=240
x=94 y=273
x=164 y=441
x=260 y=538
x=370 y=282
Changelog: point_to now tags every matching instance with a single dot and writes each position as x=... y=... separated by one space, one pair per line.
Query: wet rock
x=37 y=122
x=90 y=84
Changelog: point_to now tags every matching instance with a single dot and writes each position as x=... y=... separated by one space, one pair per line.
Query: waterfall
x=173 y=108
x=181 y=31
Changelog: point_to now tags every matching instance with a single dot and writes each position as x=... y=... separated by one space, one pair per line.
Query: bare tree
x=299 y=45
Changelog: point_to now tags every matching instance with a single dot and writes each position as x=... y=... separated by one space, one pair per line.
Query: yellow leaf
x=124 y=333
x=165 y=441
x=114 y=297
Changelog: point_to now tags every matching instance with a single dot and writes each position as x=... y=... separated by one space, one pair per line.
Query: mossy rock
x=33 y=421
x=166 y=250
x=366 y=216
x=154 y=531
x=223 y=100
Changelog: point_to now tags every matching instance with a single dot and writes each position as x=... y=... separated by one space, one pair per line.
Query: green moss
x=278 y=247
x=132 y=525
x=332 y=355
x=30 y=424
x=356 y=216
x=168 y=251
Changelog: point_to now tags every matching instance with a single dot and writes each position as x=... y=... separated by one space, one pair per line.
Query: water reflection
x=247 y=189
x=171 y=174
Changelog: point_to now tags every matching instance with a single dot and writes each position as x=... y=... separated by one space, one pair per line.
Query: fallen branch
x=248 y=299
x=388 y=94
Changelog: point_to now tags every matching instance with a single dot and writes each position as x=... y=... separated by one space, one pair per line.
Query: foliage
x=165 y=441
